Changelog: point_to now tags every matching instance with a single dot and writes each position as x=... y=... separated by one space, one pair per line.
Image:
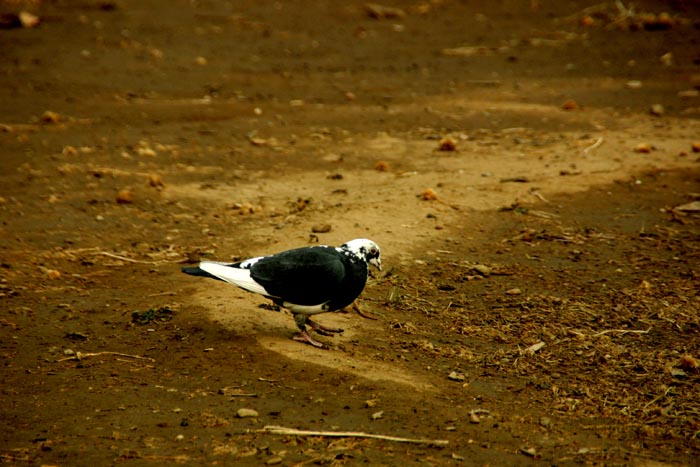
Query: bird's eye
x=373 y=251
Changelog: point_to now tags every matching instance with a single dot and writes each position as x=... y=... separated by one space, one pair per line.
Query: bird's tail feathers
x=234 y=275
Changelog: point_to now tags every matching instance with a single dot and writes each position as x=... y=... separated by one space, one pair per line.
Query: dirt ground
x=527 y=167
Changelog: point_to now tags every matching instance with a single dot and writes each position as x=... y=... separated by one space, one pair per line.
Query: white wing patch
x=236 y=276
x=247 y=264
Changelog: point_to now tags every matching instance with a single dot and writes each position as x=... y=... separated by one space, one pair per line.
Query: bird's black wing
x=303 y=276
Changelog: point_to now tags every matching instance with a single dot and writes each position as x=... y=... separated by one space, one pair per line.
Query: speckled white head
x=365 y=249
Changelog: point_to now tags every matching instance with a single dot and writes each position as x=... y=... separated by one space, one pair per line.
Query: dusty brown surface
x=232 y=129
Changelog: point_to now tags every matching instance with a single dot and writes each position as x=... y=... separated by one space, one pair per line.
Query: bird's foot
x=304 y=336
x=356 y=307
x=323 y=330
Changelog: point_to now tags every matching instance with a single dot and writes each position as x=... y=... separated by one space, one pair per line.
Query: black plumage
x=307 y=280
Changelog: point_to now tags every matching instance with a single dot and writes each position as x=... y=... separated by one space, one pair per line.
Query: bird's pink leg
x=304 y=336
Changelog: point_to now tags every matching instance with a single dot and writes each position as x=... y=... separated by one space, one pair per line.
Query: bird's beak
x=376 y=262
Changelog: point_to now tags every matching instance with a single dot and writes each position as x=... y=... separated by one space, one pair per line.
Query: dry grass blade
x=79 y=356
x=280 y=430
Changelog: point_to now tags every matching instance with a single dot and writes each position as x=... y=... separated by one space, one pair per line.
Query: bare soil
x=538 y=222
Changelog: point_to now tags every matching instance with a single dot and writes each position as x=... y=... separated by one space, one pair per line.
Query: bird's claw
x=304 y=336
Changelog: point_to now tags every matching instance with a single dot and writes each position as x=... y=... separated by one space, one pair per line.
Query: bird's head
x=365 y=249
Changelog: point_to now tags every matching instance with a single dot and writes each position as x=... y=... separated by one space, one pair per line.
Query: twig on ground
x=124 y=258
x=657 y=398
x=540 y=197
x=621 y=331
x=79 y=356
x=593 y=146
x=280 y=430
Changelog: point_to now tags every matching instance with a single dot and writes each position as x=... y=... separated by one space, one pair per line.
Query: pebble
x=28 y=20
x=644 y=148
x=156 y=181
x=514 y=291
x=50 y=117
x=321 y=228
x=695 y=146
x=145 y=151
x=482 y=269
x=274 y=460
x=569 y=104
x=657 y=110
x=447 y=144
x=633 y=84
x=381 y=166
x=125 y=197
x=454 y=376
x=429 y=194
x=53 y=274
x=246 y=413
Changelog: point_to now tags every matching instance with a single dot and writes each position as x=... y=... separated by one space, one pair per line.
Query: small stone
x=429 y=195
x=667 y=59
x=482 y=270
x=50 y=117
x=200 y=61
x=454 y=376
x=377 y=11
x=695 y=146
x=515 y=291
x=68 y=352
x=381 y=166
x=53 y=274
x=28 y=20
x=688 y=362
x=69 y=151
x=179 y=437
x=633 y=84
x=447 y=144
x=657 y=110
x=156 y=181
x=125 y=197
x=377 y=415
x=587 y=20
x=148 y=152
x=693 y=206
x=246 y=413
x=545 y=422
x=474 y=418
x=644 y=148
x=569 y=104
x=274 y=460
x=321 y=228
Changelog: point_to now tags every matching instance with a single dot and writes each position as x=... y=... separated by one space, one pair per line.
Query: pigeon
x=306 y=281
